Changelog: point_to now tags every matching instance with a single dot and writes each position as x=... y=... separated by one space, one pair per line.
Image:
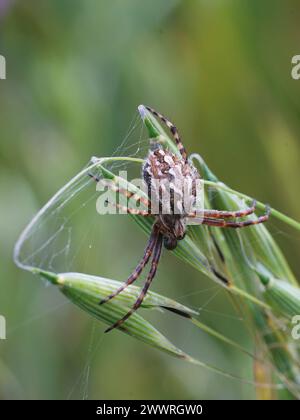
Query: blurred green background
x=76 y=71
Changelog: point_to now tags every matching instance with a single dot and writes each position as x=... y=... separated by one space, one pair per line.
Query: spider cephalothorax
x=167 y=172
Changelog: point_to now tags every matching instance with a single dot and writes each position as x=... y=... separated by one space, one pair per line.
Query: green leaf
x=282 y=295
x=86 y=291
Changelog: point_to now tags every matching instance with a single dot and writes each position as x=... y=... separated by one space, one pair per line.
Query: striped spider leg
x=154 y=264
x=218 y=218
x=240 y=224
x=174 y=132
x=128 y=194
x=139 y=268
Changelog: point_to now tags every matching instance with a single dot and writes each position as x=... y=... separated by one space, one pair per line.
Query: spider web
x=55 y=237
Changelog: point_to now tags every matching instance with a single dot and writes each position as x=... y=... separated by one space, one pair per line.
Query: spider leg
x=152 y=272
x=139 y=268
x=94 y=177
x=224 y=214
x=135 y=212
x=123 y=191
x=173 y=130
x=225 y=223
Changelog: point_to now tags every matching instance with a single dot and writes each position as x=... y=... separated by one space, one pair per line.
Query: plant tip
x=94 y=159
x=142 y=111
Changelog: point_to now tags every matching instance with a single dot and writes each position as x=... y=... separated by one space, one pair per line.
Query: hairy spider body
x=165 y=175
x=162 y=170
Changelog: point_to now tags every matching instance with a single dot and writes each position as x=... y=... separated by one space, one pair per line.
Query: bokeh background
x=76 y=71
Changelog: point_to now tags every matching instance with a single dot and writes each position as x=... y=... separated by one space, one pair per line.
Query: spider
x=168 y=229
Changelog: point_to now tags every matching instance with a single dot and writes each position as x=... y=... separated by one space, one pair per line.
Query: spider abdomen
x=170 y=181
